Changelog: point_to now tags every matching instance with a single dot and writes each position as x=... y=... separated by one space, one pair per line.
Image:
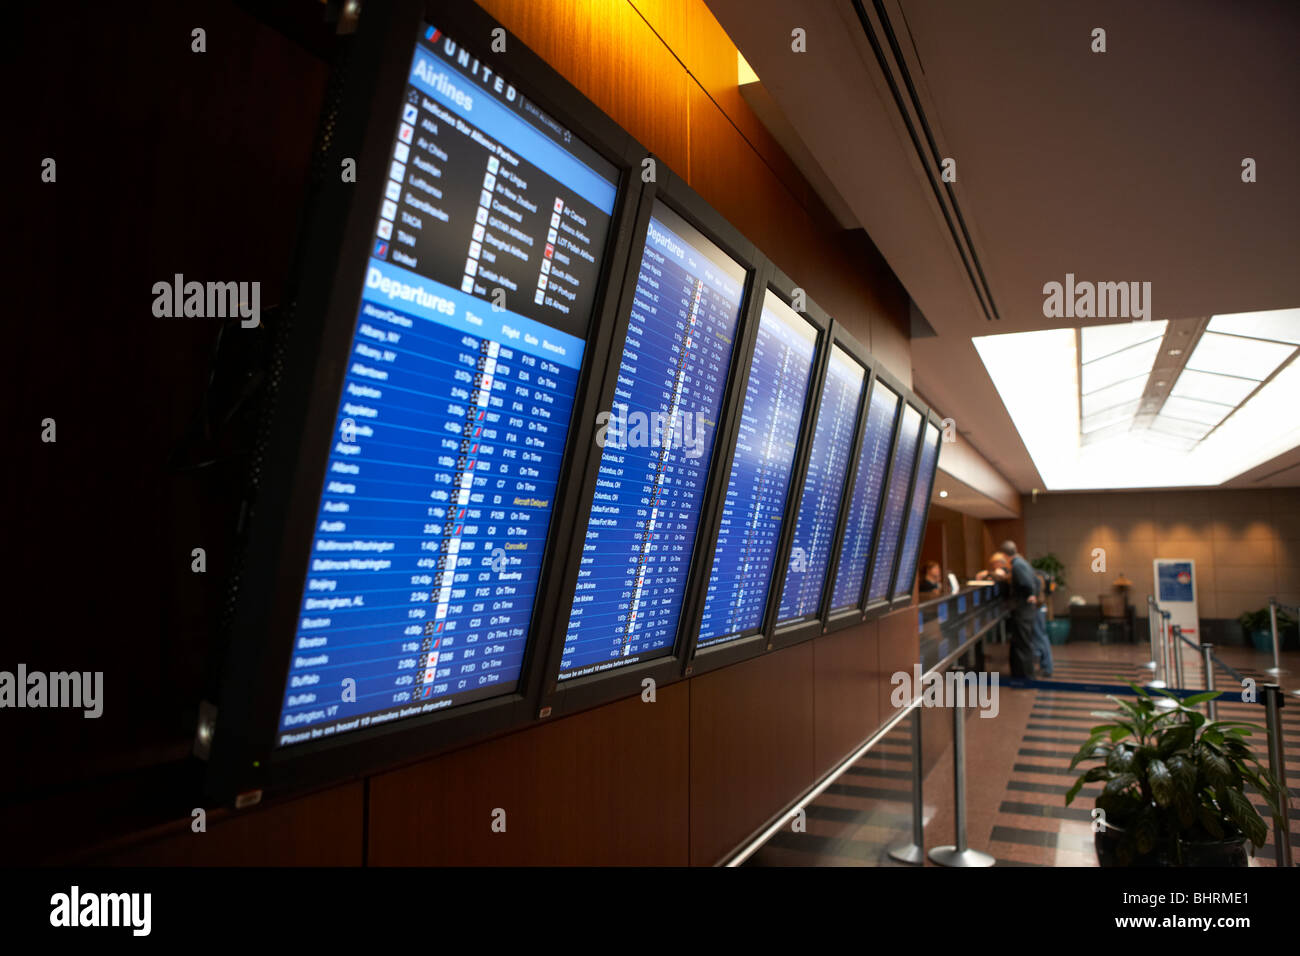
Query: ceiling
x=966 y=499
x=1117 y=166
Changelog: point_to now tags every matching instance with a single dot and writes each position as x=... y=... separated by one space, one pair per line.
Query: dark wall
x=168 y=161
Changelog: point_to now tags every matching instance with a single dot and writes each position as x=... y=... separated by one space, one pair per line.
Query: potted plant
x=1174 y=784
x=1258 y=628
x=1058 y=632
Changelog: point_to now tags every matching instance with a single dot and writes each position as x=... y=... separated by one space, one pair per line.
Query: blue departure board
x=657 y=447
x=456 y=400
x=757 y=490
x=864 y=499
x=828 y=460
x=916 y=511
x=895 y=507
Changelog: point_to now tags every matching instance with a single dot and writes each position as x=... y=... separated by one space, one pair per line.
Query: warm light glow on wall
x=744 y=72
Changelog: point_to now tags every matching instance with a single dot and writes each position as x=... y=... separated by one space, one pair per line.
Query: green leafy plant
x=1259 y=621
x=1050 y=564
x=1173 y=777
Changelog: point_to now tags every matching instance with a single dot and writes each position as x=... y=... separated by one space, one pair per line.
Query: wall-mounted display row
x=654 y=466
x=776 y=400
x=544 y=431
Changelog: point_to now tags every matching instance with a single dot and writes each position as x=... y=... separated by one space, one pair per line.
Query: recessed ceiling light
x=1160 y=384
x=1175 y=351
x=943 y=494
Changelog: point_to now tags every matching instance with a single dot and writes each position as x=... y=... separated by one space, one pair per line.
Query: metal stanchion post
x=1178 y=660
x=1151 y=665
x=1276 y=669
x=959 y=854
x=1207 y=661
x=1168 y=679
x=1153 y=631
x=1277 y=766
x=914 y=852
x=1164 y=649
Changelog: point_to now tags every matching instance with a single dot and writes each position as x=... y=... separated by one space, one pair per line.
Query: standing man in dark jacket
x=1024 y=596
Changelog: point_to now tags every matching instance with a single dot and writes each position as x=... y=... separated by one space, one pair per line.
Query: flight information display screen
x=455 y=407
x=657 y=445
x=757 y=490
x=916 y=511
x=828 y=460
x=864 y=498
x=895 y=508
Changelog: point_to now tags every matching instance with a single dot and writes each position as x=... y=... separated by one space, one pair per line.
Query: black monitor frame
x=802 y=629
x=858 y=612
x=880 y=606
x=579 y=693
x=758 y=640
x=928 y=417
x=334 y=240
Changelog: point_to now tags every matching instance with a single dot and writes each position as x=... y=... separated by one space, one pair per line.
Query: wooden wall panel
x=1245 y=542
x=604 y=787
x=973 y=533
x=610 y=53
x=751 y=747
x=322 y=829
x=738 y=184
x=845 y=711
x=694 y=35
x=899 y=649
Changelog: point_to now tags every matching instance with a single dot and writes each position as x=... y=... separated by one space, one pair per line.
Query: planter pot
x=1058 y=632
x=1262 y=640
x=1230 y=852
x=1219 y=853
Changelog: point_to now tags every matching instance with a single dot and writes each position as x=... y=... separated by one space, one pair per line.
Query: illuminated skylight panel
x=1263 y=428
x=1208 y=387
x=1120 y=366
x=1118 y=394
x=1098 y=341
x=1233 y=355
x=1189 y=409
x=1280 y=325
x=1037 y=376
x=1163 y=442
x=1108 y=417
x=1180 y=427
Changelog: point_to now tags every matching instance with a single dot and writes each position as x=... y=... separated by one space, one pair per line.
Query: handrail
x=748 y=848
